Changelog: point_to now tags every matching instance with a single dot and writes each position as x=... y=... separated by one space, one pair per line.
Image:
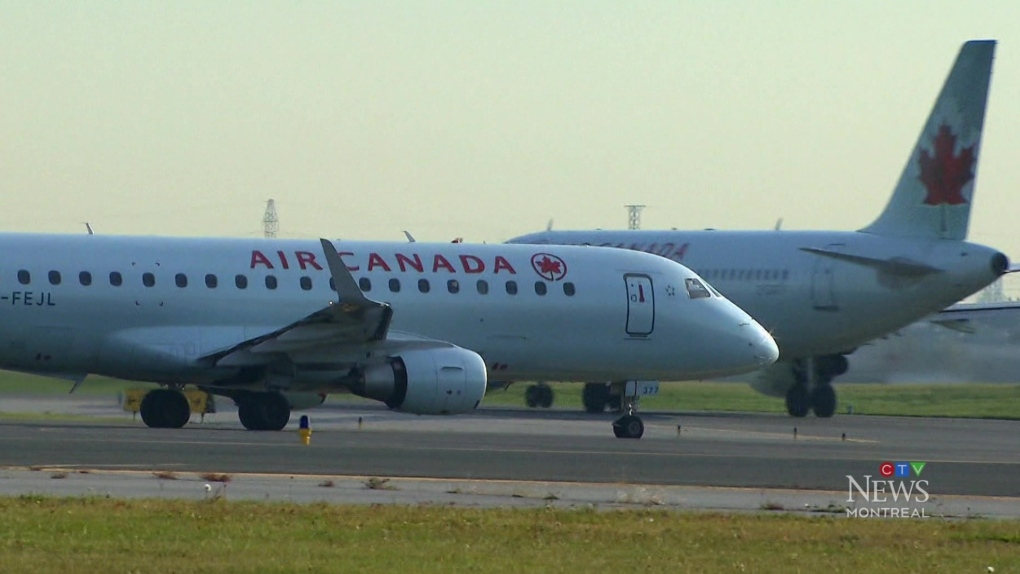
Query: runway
x=746 y=451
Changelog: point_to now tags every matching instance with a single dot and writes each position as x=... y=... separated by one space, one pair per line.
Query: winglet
x=933 y=197
x=347 y=289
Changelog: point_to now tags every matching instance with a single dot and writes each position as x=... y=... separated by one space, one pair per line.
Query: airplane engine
x=447 y=380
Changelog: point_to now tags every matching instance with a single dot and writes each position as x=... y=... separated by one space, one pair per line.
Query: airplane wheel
x=276 y=411
x=629 y=426
x=545 y=396
x=249 y=416
x=798 y=401
x=615 y=403
x=532 y=396
x=823 y=401
x=595 y=396
x=152 y=416
x=165 y=408
x=264 y=411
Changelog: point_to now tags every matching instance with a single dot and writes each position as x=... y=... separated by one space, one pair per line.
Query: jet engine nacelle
x=446 y=380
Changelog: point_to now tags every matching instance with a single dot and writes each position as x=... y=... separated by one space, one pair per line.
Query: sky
x=484 y=120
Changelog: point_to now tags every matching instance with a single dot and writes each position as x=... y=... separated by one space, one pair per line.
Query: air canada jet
x=823 y=293
x=420 y=327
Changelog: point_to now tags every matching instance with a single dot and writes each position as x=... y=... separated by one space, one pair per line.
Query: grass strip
x=41 y=535
x=974 y=400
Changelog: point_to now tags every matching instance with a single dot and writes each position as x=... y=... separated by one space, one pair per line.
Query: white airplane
x=966 y=343
x=417 y=326
x=823 y=293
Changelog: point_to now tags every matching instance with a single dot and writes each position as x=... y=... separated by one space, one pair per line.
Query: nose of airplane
x=762 y=345
x=749 y=346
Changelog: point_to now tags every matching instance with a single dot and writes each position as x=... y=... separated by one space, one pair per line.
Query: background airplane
x=968 y=342
x=824 y=293
x=417 y=326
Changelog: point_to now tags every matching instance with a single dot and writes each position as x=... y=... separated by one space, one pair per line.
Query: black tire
x=152 y=414
x=595 y=396
x=532 y=396
x=176 y=410
x=615 y=403
x=264 y=411
x=798 y=401
x=275 y=411
x=545 y=396
x=629 y=426
x=249 y=415
x=165 y=408
x=823 y=401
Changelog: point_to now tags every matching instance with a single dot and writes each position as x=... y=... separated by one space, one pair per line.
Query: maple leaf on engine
x=945 y=174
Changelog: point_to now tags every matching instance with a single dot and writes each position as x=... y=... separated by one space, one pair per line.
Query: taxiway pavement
x=979 y=459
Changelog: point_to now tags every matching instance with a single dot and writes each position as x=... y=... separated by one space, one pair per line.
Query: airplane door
x=823 y=280
x=640 y=305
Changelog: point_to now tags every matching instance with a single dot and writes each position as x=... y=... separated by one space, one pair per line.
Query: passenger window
x=568 y=289
x=365 y=283
x=332 y=284
x=148 y=279
x=24 y=277
x=54 y=277
x=306 y=283
x=241 y=281
x=116 y=279
x=395 y=285
x=271 y=282
x=85 y=278
x=696 y=289
x=483 y=287
x=453 y=286
x=423 y=285
x=211 y=281
x=786 y=274
x=181 y=280
x=511 y=287
x=540 y=287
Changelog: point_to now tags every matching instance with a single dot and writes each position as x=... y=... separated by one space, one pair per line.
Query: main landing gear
x=618 y=396
x=169 y=408
x=813 y=389
x=540 y=395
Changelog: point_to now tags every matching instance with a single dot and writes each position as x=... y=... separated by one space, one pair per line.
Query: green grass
x=950 y=400
x=21 y=383
x=42 y=535
x=944 y=400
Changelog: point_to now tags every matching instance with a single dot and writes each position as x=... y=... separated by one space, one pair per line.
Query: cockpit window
x=696 y=289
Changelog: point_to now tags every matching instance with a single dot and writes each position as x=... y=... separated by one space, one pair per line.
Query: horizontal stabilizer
x=895 y=266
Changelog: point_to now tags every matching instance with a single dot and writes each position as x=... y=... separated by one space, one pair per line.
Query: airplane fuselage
x=151 y=308
x=852 y=288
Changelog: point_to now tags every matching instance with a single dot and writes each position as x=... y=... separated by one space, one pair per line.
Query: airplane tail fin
x=933 y=196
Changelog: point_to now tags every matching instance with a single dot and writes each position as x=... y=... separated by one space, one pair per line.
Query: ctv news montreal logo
x=895 y=492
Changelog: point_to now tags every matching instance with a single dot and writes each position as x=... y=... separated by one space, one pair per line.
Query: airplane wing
x=895 y=266
x=966 y=317
x=353 y=319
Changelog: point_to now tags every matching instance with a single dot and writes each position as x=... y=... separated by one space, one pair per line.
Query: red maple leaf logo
x=548 y=266
x=944 y=175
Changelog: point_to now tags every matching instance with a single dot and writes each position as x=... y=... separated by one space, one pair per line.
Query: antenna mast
x=270 y=222
x=634 y=216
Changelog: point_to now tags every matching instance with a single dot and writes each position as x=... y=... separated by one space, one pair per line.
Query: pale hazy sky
x=483 y=119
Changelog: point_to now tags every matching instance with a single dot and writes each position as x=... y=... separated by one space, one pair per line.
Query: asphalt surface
x=761 y=451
